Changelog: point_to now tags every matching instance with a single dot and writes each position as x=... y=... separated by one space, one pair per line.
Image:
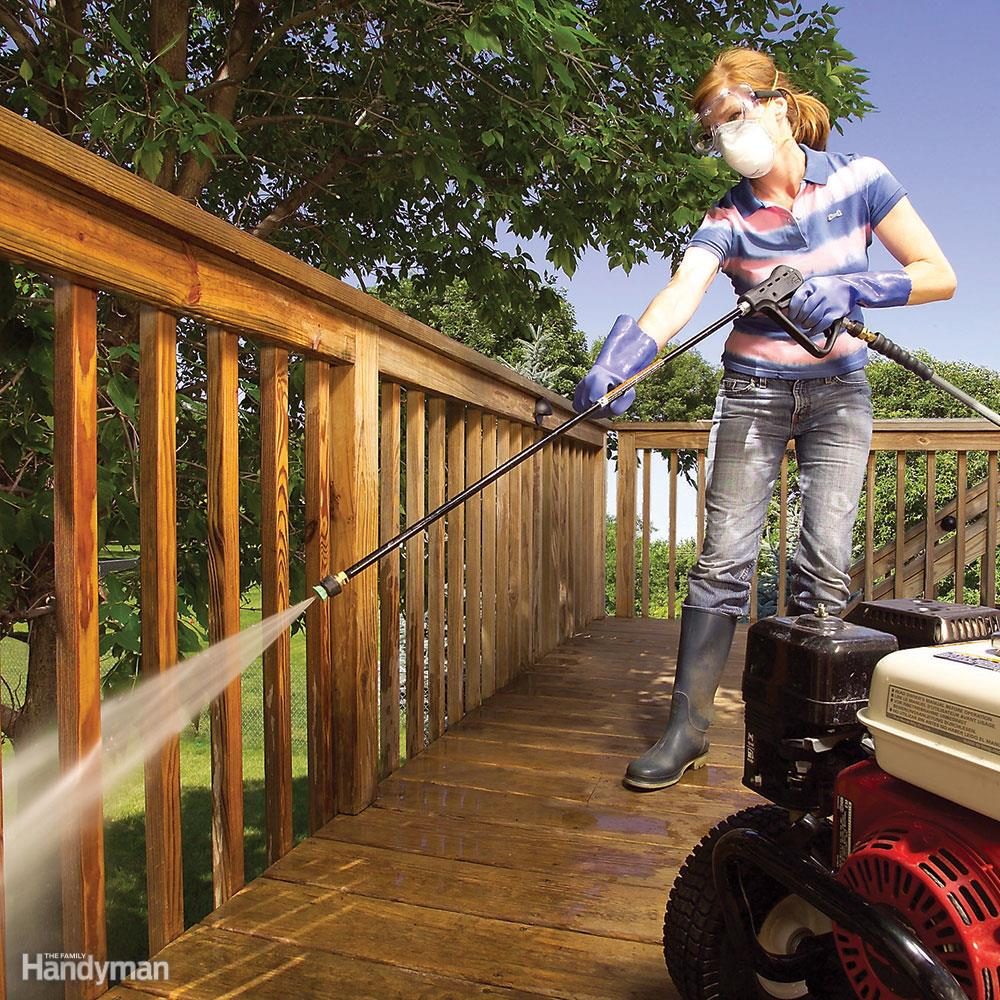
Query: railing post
x=78 y=664
x=355 y=625
x=625 y=541
x=158 y=596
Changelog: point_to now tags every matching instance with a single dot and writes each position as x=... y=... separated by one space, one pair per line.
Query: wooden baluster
x=672 y=557
x=588 y=527
x=415 y=600
x=489 y=622
x=456 y=567
x=355 y=627
x=961 y=517
x=473 y=560
x=647 y=462
x=158 y=617
x=701 y=501
x=224 y=608
x=436 y=466
x=503 y=651
x=548 y=554
x=988 y=588
x=277 y=701
x=78 y=667
x=523 y=592
x=899 y=578
x=319 y=670
x=625 y=500
x=515 y=497
x=930 y=527
x=389 y=525
x=870 y=528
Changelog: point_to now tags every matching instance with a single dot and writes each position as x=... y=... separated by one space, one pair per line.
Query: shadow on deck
x=507 y=860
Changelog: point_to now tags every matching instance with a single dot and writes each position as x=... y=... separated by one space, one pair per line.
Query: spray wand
x=774 y=292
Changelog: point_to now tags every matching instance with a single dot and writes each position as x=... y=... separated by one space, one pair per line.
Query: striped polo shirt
x=828 y=231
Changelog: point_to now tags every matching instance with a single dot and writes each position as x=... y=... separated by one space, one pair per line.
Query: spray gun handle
x=772 y=296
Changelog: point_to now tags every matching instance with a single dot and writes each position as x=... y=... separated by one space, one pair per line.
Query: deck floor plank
x=506 y=860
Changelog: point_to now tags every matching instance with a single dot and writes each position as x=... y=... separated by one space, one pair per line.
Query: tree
x=388 y=140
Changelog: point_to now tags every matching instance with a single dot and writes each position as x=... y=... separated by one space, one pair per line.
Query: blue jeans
x=830 y=420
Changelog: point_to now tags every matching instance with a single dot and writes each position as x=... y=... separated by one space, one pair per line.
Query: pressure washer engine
x=874 y=871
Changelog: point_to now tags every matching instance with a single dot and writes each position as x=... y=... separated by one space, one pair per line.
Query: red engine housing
x=936 y=864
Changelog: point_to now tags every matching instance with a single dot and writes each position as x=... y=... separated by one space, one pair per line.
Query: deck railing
x=932 y=543
x=506 y=578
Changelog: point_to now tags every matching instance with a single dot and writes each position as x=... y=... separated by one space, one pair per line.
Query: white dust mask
x=747 y=147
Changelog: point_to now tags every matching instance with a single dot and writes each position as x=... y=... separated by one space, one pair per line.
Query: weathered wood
x=389 y=514
x=869 y=525
x=523 y=593
x=158 y=618
x=436 y=495
x=499 y=953
x=931 y=529
x=429 y=364
x=625 y=519
x=988 y=590
x=899 y=590
x=514 y=542
x=355 y=626
x=503 y=652
x=783 y=535
x=456 y=567
x=702 y=489
x=277 y=694
x=214 y=962
x=319 y=669
x=538 y=550
x=473 y=560
x=549 y=550
x=222 y=363
x=560 y=531
x=625 y=911
x=647 y=461
x=489 y=569
x=962 y=517
x=416 y=406
x=78 y=669
x=672 y=557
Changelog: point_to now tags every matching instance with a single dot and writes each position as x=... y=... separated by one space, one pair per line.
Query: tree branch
x=292 y=202
x=25 y=43
x=196 y=171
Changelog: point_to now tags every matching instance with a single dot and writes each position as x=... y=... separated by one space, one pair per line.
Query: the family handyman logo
x=62 y=967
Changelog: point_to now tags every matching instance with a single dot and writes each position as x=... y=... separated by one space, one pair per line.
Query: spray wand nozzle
x=331 y=585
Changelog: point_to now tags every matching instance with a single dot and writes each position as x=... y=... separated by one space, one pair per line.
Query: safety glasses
x=733 y=104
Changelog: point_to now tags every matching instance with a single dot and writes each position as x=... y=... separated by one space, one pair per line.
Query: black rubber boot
x=706 y=637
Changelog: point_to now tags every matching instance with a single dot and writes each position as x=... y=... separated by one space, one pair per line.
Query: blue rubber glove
x=626 y=351
x=819 y=302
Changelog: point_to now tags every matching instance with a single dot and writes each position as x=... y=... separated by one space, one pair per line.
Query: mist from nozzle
x=41 y=805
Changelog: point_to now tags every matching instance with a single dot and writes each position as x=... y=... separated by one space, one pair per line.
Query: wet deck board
x=507 y=860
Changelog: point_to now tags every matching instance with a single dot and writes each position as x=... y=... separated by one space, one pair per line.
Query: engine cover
x=917 y=621
x=804 y=680
x=932 y=862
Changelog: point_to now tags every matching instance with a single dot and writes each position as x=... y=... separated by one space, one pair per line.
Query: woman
x=814 y=211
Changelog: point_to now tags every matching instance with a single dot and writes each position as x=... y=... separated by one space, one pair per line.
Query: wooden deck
x=507 y=860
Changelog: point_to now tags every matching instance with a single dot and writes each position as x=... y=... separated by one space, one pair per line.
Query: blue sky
x=931 y=67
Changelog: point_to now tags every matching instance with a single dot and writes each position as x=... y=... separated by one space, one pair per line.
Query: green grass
x=124 y=807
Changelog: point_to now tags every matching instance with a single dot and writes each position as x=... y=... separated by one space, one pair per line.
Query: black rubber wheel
x=697 y=951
